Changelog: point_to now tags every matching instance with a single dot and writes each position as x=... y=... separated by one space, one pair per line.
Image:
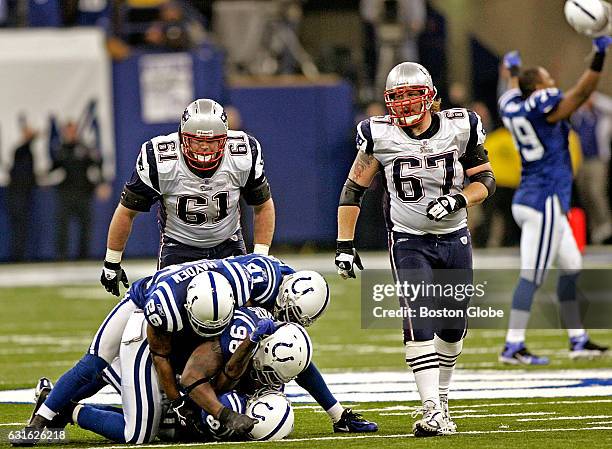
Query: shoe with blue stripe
x=518 y=354
x=583 y=348
x=351 y=422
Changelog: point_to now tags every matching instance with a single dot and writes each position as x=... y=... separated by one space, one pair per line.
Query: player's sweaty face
x=413 y=108
x=204 y=146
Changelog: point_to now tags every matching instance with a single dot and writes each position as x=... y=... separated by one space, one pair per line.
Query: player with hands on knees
x=197 y=223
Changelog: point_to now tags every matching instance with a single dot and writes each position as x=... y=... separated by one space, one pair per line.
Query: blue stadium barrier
x=306 y=136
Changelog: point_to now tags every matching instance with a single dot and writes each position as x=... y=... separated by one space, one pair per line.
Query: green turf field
x=45 y=330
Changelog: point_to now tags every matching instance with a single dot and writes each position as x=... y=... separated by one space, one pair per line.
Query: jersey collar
x=429 y=133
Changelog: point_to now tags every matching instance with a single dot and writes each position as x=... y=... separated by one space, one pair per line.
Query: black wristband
x=598 y=62
x=514 y=70
x=461 y=201
x=345 y=245
x=112 y=265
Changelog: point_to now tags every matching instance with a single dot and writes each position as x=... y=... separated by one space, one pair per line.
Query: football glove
x=512 y=59
x=237 y=422
x=347 y=258
x=602 y=43
x=187 y=414
x=112 y=274
x=264 y=328
x=445 y=205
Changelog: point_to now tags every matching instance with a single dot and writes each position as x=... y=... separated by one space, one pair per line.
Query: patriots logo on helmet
x=224 y=117
x=185 y=116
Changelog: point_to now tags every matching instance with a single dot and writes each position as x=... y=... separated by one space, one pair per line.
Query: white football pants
x=546 y=237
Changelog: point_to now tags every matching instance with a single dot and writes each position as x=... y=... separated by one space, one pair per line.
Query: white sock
x=75 y=413
x=46 y=412
x=422 y=358
x=448 y=354
x=574 y=333
x=335 y=412
x=517 y=325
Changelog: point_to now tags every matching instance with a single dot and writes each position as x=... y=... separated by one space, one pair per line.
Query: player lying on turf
x=252 y=279
x=137 y=381
x=249 y=363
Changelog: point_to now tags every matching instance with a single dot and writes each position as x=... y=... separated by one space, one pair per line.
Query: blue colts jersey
x=267 y=274
x=243 y=323
x=544 y=148
x=163 y=295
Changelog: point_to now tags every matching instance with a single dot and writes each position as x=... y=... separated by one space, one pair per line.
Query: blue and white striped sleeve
x=240 y=281
x=162 y=311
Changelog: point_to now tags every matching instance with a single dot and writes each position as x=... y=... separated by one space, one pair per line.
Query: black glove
x=188 y=414
x=112 y=274
x=237 y=422
x=347 y=258
x=445 y=205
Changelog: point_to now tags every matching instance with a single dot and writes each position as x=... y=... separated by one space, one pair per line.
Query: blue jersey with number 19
x=543 y=146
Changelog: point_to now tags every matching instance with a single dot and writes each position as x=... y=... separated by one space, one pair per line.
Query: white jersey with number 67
x=417 y=170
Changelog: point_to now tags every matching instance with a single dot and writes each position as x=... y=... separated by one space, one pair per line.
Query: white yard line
x=499 y=404
x=566 y=418
x=352 y=437
x=494 y=415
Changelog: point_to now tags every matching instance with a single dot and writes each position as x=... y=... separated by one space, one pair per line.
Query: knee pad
x=90 y=367
x=451 y=336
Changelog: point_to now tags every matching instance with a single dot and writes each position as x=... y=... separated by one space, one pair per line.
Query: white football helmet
x=209 y=304
x=302 y=298
x=274 y=413
x=592 y=18
x=283 y=355
x=203 y=133
x=409 y=93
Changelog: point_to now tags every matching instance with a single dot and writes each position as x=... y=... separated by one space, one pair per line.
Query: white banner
x=166 y=86
x=49 y=77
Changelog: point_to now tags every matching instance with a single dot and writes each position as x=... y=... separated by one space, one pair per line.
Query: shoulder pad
x=363 y=139
x=544 y=100
x=385 y=119
x=167 y=150
x=237 y=143
x=458 y=118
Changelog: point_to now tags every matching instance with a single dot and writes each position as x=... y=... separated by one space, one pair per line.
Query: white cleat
x=433 y=422
x=450 y=426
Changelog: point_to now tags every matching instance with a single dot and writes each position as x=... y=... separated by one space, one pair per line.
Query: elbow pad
x=487 y=179
x=134 y=201
x=352 y=194
x=258 y=195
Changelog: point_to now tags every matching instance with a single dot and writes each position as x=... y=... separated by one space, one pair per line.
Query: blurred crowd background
x=86 y=82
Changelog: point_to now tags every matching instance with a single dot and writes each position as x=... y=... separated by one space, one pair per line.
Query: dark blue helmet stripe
x=214 y=297
x=280 y=424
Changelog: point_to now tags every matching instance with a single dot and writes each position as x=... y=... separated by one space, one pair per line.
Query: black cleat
x=41 y=392
x=583 y=348
x=351 y=422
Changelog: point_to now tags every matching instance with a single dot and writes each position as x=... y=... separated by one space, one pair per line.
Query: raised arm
x=586 y=84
